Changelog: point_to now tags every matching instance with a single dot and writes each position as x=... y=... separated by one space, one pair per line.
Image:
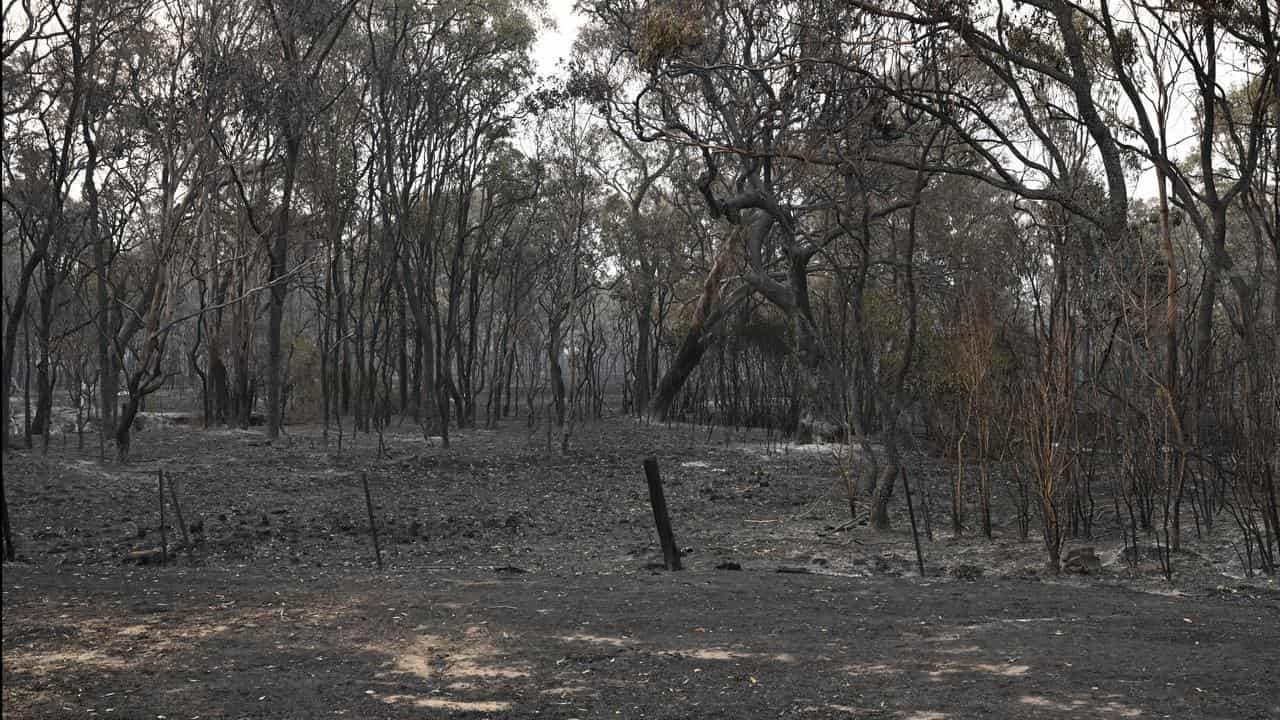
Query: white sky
x=553 y=45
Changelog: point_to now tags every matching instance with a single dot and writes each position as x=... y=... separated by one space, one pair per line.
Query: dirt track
x=703 y=644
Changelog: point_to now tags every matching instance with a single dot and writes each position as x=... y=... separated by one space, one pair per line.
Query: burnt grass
x=522 y=582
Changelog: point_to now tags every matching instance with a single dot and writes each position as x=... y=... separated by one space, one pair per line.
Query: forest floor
x=520 y=582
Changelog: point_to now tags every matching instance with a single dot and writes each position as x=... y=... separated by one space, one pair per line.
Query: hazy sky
x=554 y=45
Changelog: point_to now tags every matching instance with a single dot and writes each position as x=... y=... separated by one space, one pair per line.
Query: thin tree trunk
x=644 y=333
x=279 y=284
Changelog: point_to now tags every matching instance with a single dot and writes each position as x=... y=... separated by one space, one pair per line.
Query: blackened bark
x=279 y=284
x=695 y=343
x=554 y=343
x=644 y=329
x=124 y=436
x=685 y=362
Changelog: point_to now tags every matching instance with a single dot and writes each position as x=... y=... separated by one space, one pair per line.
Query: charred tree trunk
x=554 y=342
x=14 y=319
x=682 y=366
x=45 y=374
x=278 y=279
x=402 y=354
x=124 y=429
x=883 y=493
x=219 y=383
x=644 y=337
x=897 y=399
x=107 y=383
x=705 y=315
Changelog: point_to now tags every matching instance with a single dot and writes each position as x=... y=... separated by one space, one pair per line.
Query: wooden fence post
x=670 y=553
x=177 y=509
x=373 y=524
x=10 y=552
x=164 y=542
x=915 y=535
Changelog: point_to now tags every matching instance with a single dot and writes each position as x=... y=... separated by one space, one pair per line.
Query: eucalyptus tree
x=171 y=177
x=516 y=263
x=633 y=169
x=569 y=140
x=1221 y=65
x=440 y=96
x=121 y=146
x=1049 y=94
x=1186 y=58
x=764 y=96
x=486 y=190
x=332 y=184
x=45 y=73
x=404 y=43
x=510 y=183
x=302 y=37
x=804 y=160
x=649 y=240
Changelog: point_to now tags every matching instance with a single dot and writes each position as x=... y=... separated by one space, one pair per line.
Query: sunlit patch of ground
x=728 y=654
x=416 y=660
x=563 y=690
x=700 y=465
x=598 y=640
x=711 y=654
x=871 y=669
x=1001 y=670
x=960 y=650
x=50 y=662
x=436 y=703
x=430 y=657
x=466 y=665
x=1108 y=709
